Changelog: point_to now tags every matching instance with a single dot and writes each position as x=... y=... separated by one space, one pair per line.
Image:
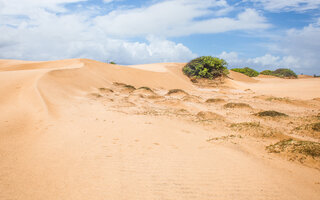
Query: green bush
x=246 y=71
x=206 y=67
x=267 y=72
x=285 y=73
x=281 y=72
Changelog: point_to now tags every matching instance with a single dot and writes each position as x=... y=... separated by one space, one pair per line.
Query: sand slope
x=67 y=131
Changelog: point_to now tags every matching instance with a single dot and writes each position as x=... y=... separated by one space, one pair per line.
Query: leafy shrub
x=285 y=73
x=206 y=67
x=267 y=72
x=281 y=72
x=246 y=71
x=112 y=63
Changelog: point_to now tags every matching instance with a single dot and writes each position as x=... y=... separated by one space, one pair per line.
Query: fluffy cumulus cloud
x=297 y=49
x=46 y=29
x=287 y=5
x=32 y=30
x=266 y=61
x=179 y=18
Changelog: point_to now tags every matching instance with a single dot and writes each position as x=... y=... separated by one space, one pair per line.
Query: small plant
x=217 y=100
x=112 y=63
x=246 y=71
x=206 y=67
x=173 y=91
x=270 y=113
x=237 y=105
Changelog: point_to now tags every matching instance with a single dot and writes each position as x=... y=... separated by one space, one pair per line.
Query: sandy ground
x=77 y=129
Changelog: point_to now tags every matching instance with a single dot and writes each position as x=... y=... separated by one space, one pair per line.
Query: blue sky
x=263 y=34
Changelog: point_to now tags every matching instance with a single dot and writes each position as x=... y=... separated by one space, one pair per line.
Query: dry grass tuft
x=237 y=105
x=105 y=90
x=175 y=91
x=224 y=138
x=217 y=100
x=283 y=99
x=145 y=88
x=97 y=95
x=270 y=113
x=255 y=129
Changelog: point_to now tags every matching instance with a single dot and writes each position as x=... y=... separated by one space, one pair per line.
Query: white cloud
x=287 y=5
x=303 y=45
x=178 y=18
x=32 y=30
x=267 y=61
x=72 y=36
x=29 y=7
x=297 y=49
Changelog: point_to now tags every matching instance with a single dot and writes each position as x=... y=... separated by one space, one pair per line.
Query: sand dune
x=78 y=129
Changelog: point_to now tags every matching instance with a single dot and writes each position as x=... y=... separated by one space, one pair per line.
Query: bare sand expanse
x=81 y=129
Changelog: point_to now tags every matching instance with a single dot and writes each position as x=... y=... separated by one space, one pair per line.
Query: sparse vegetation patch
x=255 y=129
x=224 y=138
x=237 y=105
x=207 y=115
x=307 y=148
x=105 y=90
x=270 y=113
x=97 y=95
